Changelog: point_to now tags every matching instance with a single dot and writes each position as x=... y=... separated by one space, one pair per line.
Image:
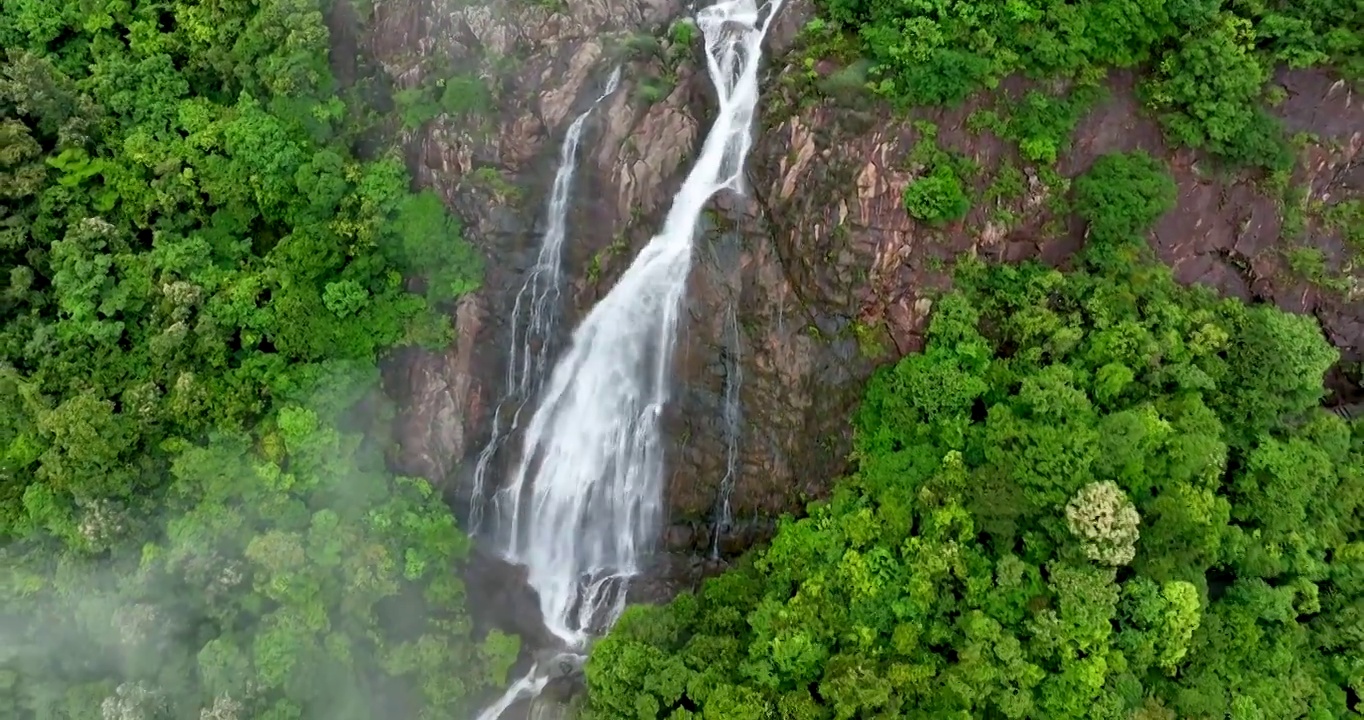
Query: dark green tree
x=197 y=278
x=1094 y=494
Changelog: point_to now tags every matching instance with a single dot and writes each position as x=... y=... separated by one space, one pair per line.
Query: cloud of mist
x=279 y=574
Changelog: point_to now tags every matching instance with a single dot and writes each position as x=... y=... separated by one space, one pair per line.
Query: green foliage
x=430 y=243
x=654 y=89
x=683 y=33
x=1346 y=217
x=1042 y=125
x=197 y=278
x=460 y=96
x=1122 y=194
x=1094 y=494
x=1208 y=89
x=937 y=197
x=1210 y=58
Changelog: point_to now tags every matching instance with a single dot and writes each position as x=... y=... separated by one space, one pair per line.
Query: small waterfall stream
x=528 y=686
x=535 y=312
x=581 y=508
x=733 y=419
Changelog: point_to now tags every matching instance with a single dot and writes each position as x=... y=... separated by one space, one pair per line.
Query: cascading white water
x=528 y=686
x=582 y=505
x=536 y=305
x=732 y=411
x=583 y=502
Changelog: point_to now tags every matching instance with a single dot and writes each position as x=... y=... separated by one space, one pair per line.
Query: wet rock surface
x=565 y=675
x=500 y=592
x=800 y=374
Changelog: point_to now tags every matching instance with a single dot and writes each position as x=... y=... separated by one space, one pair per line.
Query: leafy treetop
x=197 y=277
x=1094 y=494
x=1208 y=61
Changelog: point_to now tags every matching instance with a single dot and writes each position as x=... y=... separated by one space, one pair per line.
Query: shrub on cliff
x=1120 y=196
x=1123 y=194
x=196 y=279
x=937 y=197
x=1054 y=426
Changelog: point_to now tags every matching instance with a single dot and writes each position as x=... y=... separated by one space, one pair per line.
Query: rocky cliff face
x=803 y=284
x=835 y=177
x=799 y=364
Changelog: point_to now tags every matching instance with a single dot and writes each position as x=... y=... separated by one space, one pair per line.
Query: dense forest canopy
x=197 y=276
x=1094 y=494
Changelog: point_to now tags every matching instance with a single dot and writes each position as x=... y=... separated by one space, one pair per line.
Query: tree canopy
x=198 y=274
x=1094 y=494
x=1207 y=63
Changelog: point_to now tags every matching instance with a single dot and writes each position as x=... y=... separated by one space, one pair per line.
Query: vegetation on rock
x=1207 y=61
x=197 y=277
x=1094 y=494
x=937 y=197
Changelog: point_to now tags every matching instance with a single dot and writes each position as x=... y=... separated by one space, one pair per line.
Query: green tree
x=1205 y=63
x=1092 y=495
x=197 y=279
x=937 y=197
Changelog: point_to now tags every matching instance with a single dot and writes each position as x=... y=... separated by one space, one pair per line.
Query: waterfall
x=528 y=686
x=536 y=305
x=732 y=413
x=583 y=503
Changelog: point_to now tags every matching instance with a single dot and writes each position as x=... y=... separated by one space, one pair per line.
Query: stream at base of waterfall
x=581 y=508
